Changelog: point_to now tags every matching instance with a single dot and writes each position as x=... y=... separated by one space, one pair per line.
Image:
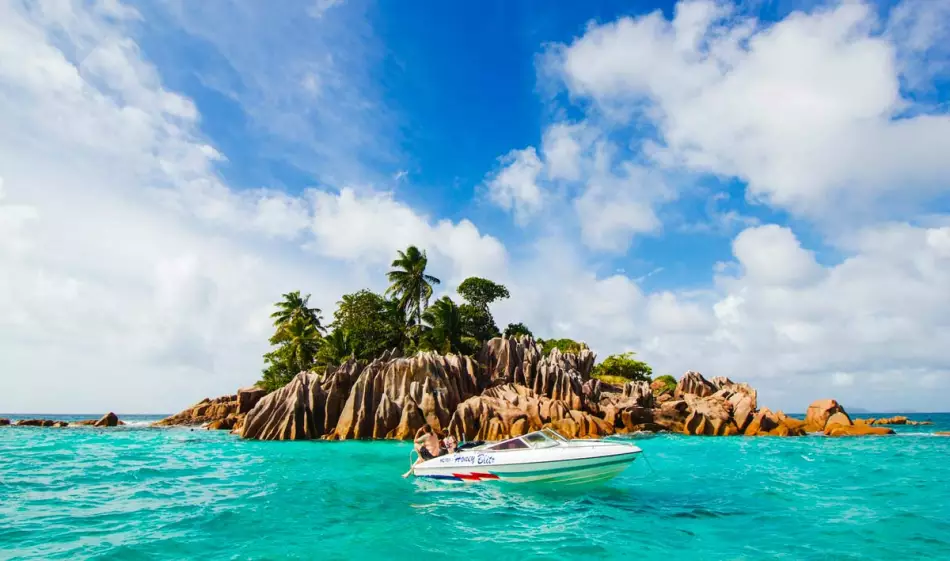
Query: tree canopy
x=377 y=323
x=625 y=367
x=564 y=345
x=669 y=383
x=410 y=284
x=517 y=329
x=481 y=292
x=367 y=324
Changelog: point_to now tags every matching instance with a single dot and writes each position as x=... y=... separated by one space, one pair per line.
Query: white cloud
x=806 y=110
x=133 y=278
x=772 y=256
x=514 y=187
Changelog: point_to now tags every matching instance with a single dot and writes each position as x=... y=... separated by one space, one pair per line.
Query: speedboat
x=539 y=457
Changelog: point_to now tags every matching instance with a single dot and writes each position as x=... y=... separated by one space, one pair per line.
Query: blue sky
x=455 y=87
x=758 y=190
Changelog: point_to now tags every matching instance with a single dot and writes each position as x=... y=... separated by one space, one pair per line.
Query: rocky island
x=510 y=388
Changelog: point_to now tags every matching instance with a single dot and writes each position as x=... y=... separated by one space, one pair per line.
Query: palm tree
x=444 y=328
x=410 y=284
x=336 y=348
x=300 y=341
x=295 y=306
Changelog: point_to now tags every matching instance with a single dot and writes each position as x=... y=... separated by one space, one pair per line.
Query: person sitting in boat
x=449 y=445
x=426 y=445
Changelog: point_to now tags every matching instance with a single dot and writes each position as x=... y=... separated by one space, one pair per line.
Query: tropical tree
x=375 y=322
x=296 y=306
x=481 y=292
x=517 y=329
x=444 y=329
x=336 y=348
x=300 y=341
x=478 y=294
x=623 y=367
x=410 y=284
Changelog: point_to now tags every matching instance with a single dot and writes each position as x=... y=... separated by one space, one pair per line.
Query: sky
x=758 y=190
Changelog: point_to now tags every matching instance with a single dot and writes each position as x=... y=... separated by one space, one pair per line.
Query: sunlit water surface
x=143 y=493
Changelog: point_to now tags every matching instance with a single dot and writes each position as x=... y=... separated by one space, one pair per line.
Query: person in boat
x=449 y=445
x=426 y=445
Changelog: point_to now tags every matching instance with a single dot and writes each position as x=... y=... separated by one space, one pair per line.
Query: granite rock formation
x=509 y=389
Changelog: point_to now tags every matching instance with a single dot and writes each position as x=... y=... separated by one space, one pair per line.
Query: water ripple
x=140 y=493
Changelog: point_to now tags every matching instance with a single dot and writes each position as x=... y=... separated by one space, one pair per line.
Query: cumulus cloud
x=808 y=110
x=515 y=186
x=133 y=277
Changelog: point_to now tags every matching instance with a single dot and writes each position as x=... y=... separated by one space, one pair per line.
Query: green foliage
x=336 y=348
x=481 y=292
x=669 y=383
x=624 y=366
x=297 y=341
x=517 y=329
x=294 y=306
x=564 y=345
x=478 y=323
x=410 y=285
x=444 y=329
x=477 y=320
x=377 y=324
x=612 y=380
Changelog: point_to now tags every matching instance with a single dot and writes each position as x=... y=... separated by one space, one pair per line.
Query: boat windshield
x=510 y=444
x=539 y=440
x=554 y=435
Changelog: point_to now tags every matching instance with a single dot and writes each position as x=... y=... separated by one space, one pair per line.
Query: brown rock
x=942 y=433
x=693 y=383
x=835 y=429
x=204 y=412
x=709 y=416
x=672 y=415
x=768 y=423
x=818 y=413
x=4 y=422
x=247 y=398
x=108 y=420
x=640 y=393
x=226 y=423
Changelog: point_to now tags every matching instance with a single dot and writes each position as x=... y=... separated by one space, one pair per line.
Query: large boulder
x=709 y=416
x=693 y=383
x=294 y=412
x=4 y=422
x=433 y=383
x=672 y=415
x=818 y=413
x=110 y=419
x=768 y=423
x=558 y=375
x=247 y=398
x=640 y=393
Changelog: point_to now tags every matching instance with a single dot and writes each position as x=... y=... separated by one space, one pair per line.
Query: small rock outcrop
x=108 y=420
x=818 y=413
x=4 y=422
x=693 y=383
x=41 y=423
x=896 y=420
x=204 y=412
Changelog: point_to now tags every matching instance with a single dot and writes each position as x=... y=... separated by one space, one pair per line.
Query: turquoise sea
x=142 y=493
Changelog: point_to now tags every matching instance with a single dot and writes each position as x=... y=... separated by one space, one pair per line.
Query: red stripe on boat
x=475 y=476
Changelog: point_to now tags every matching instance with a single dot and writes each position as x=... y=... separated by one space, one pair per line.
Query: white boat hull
x=581 y=462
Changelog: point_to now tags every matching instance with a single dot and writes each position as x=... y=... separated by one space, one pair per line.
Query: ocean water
x=143 y=493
